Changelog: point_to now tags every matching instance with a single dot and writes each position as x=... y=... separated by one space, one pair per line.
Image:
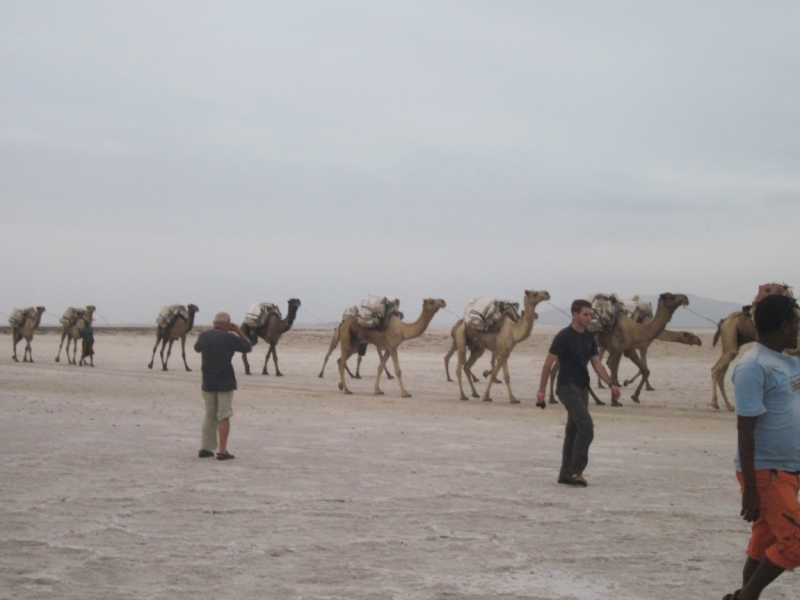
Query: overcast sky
x=229 y=153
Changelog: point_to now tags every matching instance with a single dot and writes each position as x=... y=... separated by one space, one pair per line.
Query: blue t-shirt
x=573 y=350
x=767 y=386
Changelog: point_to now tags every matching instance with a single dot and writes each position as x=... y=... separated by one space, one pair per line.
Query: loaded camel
x=72 y=330
x=499 y=343
x=270 y=332
x=335 y=342
x=25 y=331
x=508 y=313
x=179 y=329
x=736 y=330
x=627 y=336
x=386 y=340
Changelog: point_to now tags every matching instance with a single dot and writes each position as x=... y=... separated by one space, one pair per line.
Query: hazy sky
x=228 y=153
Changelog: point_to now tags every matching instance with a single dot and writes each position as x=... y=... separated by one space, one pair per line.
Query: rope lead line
x=714 y=323
x=313 y=315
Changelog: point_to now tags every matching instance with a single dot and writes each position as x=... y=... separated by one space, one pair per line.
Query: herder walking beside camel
x=574 y=347
x=217 y=348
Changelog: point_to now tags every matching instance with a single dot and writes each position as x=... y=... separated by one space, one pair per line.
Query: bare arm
x=548 y=365
x=751 y=502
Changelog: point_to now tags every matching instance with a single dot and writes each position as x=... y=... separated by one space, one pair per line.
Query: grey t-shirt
x=217 y=348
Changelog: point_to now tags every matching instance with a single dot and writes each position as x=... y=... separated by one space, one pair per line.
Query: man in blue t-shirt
x=767 y=387
x=575 y=347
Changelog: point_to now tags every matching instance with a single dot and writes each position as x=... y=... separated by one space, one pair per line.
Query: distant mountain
x=712 y=309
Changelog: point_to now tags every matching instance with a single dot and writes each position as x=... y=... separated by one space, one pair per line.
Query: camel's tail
x=718 y=333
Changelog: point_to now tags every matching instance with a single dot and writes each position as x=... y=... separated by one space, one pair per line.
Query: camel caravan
x=621 y=328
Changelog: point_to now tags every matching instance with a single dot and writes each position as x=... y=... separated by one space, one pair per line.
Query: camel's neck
x=190 y=324
x=287 y=323
x=89 y=318
x=657 y=326
x=36 y=320
x=418 y=327
x=521 y=330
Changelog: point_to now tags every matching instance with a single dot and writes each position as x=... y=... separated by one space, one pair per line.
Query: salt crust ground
x=361 y=497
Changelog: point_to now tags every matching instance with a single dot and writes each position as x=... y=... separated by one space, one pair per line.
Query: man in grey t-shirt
x=217 y=347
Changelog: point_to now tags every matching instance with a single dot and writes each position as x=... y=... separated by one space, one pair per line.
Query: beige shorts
x=219 y=404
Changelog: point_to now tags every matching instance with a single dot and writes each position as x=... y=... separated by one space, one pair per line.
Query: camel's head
x=533 y=297
x=294 y=304
x=90 y=309
x=433 y=304
x=691 y=339
x=192 y=308
x=673 y=301
x=40 y=309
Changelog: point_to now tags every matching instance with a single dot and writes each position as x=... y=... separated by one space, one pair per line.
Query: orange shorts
x=776 y=533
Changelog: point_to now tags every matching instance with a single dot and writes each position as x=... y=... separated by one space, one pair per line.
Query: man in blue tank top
x=574 y=347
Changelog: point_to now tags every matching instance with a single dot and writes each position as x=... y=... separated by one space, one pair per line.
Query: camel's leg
x=158 y=339
x=381 y=365
x=165 y=361
x=334 y=343
x=74 y=351
x=597 y=400
x=385 y=359
x=14 y=342
x=266 y=361
x=397 y=371
x=507 y=378
x=247 y=364
x=627 y=382
x=493 y=377
x=471 y=379
x=27 y=356
x=643 y=355
x=634 y=358
x=358 y=366
x=600 y=354
x=183 y=352
x=718 y=372
x=459 y=371
x=447 y=358
x=612 y=363
x=342 y=363
x=491 y=366
x=63 y=335
x=275 y=359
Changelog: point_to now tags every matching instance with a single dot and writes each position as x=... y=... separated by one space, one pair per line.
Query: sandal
x=205 y=454
x=224 y=456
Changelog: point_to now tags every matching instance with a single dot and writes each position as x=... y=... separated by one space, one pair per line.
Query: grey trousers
x=579 y=432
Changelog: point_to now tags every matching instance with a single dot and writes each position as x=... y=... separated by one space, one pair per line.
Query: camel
x=627 y=336
x=179 y=329
x=25 y=331
x=387 y=339
x=735 y=330
x=271 y=333
x=499 y=343
x=680 y=337
x=510 y=313
x=72 y=330
x=332 y=347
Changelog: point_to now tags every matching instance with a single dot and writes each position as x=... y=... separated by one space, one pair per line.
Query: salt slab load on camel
x=169 y=314
x=484 y=313
x=637 y=309
x=18 y=316
x=72 y=316
x=258 y=314
x=605 y=308
x=374 y=311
